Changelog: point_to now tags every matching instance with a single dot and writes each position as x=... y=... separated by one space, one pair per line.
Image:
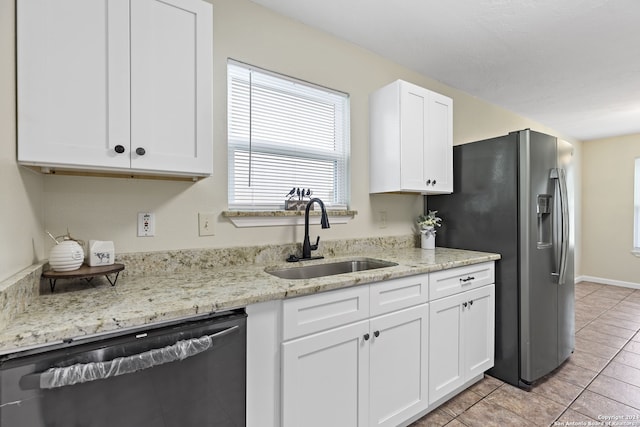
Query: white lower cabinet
x=461 y=339
x=325 y=378
x=398 y=365
x=382 y=354
x=369 y=373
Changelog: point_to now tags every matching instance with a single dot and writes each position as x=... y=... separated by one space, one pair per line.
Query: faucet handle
x=314 y=247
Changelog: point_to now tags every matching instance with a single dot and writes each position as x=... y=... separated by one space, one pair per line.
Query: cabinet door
x=438 y=154
x=479 y=321
x=171 y=91
x=446 y=352
x=398 y=366
x=325 y=378
x=414 y=106
x=73 y=82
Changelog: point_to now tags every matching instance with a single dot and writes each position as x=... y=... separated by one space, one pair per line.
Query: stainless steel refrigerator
x=511 y=197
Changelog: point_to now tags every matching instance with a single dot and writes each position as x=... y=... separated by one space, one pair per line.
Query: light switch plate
x=383 y=219
x=206 y=221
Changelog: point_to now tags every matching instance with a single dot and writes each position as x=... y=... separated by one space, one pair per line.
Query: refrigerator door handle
x=560 y=175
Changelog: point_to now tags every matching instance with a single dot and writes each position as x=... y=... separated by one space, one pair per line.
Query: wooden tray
x=84 y=272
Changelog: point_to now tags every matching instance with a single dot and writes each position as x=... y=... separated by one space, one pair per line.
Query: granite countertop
x=78 y=308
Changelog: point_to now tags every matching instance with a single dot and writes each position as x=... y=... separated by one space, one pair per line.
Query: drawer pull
x=468 y=279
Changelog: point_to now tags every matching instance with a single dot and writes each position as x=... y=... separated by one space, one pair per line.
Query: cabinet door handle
x=464 y=304
x=470 y=303
x=366 y=337
x=376 y=334
x=140 y=151
x=468 y=279
x=434 y=182
x=428 y=182
x=119 y=149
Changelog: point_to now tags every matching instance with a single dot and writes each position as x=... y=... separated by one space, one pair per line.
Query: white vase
x=66 y=256
x=428 y=239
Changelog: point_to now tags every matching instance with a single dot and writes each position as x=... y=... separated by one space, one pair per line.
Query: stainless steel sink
x=330 y=269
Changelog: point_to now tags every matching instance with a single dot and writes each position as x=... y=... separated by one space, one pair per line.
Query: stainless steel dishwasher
x=187 y=373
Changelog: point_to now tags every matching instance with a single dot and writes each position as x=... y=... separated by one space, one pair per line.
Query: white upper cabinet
x=116 y=86
x=73 y=82
x=411 y=140
x=171 y=89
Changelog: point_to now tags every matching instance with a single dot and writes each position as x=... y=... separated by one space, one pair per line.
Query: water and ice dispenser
x=545 y=225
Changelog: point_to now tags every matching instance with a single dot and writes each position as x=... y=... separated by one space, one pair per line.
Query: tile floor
x=601 y=378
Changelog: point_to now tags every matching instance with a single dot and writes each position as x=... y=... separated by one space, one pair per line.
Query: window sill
x=243 y=219
x=636 y=252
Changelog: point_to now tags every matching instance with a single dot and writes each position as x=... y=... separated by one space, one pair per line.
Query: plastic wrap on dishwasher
x=80 y=373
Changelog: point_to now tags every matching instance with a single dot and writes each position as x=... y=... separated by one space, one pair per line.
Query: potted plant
x=427 y=224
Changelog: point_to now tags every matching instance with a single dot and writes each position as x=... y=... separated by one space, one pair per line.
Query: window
x=284 y=133
x=636 y=210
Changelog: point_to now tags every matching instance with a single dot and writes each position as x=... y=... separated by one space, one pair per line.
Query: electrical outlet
x=205 y=223
x=146 y=224
x=383 y=219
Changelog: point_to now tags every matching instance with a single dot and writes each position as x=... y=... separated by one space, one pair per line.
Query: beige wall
x=607 y=209
x=21 y=191
x=103 y=208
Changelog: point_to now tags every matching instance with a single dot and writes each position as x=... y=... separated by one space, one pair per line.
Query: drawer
x=314 y=313
x=396 y=294
x=449 y=282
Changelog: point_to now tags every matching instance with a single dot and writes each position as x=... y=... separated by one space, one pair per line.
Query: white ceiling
x=572 y=65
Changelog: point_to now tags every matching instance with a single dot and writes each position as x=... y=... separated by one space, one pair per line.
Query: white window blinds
x=284 y=133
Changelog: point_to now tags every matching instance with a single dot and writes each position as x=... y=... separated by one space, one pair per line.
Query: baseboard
x=607 y=282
